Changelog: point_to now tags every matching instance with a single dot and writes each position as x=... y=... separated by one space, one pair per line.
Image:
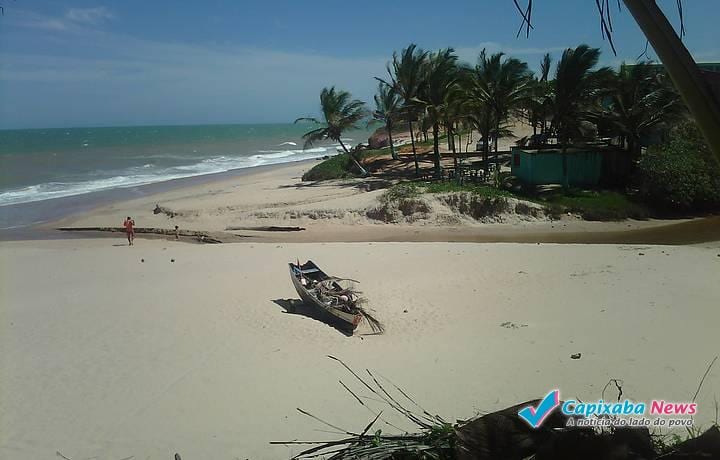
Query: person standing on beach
x=129 y=225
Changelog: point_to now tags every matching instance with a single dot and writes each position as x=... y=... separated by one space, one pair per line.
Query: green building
x=575 y=167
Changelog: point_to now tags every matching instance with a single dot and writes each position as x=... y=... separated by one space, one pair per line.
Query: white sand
x=104 y=356
x=330 y=211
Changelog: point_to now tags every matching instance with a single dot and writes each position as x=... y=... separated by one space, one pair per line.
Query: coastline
x=144 y=344
x=332 y=211
x=37 y=219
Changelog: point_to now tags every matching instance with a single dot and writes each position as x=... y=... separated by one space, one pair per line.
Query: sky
x=139 y=62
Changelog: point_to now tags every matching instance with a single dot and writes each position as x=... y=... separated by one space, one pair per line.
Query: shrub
x=399 y=192
x=337 y=167
x=482 y=190
x=399 y=201
x=411 y=206
x=680 y=175
x=475 y=205
x=599 y=205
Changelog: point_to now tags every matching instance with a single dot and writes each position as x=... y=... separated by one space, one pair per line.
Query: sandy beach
x=337 y=211
x=117 y=352
x=105 y=355
x=234 y=234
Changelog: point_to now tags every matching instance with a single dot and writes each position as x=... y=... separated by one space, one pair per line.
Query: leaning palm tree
x=406 y=78
x=639 y=102
x=340 y=113
x=440 y=74
x=387 y=105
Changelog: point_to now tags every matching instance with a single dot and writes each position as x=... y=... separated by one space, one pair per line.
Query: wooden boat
x=331 y=302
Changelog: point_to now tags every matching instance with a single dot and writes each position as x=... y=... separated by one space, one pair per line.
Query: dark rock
x=575 y=356
x=582 y=443
x=379 y=139
x=705 y=446
x=505 y=435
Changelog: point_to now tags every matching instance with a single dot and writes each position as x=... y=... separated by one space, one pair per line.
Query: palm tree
x=406 y=78
x=440 y=74
x=540 y=95
x=496 y=89
x=387 y=104
x=545 y=67
x=577 y=88
x=639 y=102
x=340 y=113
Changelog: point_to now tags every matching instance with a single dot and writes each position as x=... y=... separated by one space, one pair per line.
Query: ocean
x=45 y=164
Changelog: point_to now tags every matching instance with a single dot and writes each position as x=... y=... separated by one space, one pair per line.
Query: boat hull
x=345 y=321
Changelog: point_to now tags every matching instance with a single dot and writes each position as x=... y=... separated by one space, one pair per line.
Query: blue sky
x=132 y=62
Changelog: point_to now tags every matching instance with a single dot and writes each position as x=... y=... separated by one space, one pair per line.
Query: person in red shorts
x=129 y=225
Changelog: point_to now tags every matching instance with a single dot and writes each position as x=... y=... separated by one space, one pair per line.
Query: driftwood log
x=167 y=211
x=272 y=228
x=199 y=236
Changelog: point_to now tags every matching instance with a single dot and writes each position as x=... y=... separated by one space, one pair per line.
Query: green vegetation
x=572 y=101
x=340 y=166
x=594 y=205
x=387 y=103
x=340 y=113
x=337 y=167
x=601 y=205
x=476 y=189
x=406 y=78
x=639 y=102
x=401 y=191
x=680 y=175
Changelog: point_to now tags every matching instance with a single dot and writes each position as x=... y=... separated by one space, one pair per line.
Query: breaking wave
x=149 y=173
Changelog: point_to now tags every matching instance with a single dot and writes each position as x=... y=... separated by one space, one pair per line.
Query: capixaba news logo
x=601 y=413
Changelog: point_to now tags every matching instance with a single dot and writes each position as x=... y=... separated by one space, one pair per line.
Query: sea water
x=44 y=164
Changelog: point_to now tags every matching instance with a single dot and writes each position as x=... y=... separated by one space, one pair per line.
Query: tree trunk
x=681 y=67
x=436 y=148
x=357 y=164
x=486 y=146
x=412 y=141
x=497 y=155
x=634 y=147
x=451 y=133
x=394 y=155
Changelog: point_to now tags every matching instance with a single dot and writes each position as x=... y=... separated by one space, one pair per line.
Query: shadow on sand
x=298 y=307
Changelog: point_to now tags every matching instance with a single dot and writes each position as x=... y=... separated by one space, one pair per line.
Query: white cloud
x=120 y=79
x=74 y=20
x=46 y=24
x=470 y=54
x=90 y=16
